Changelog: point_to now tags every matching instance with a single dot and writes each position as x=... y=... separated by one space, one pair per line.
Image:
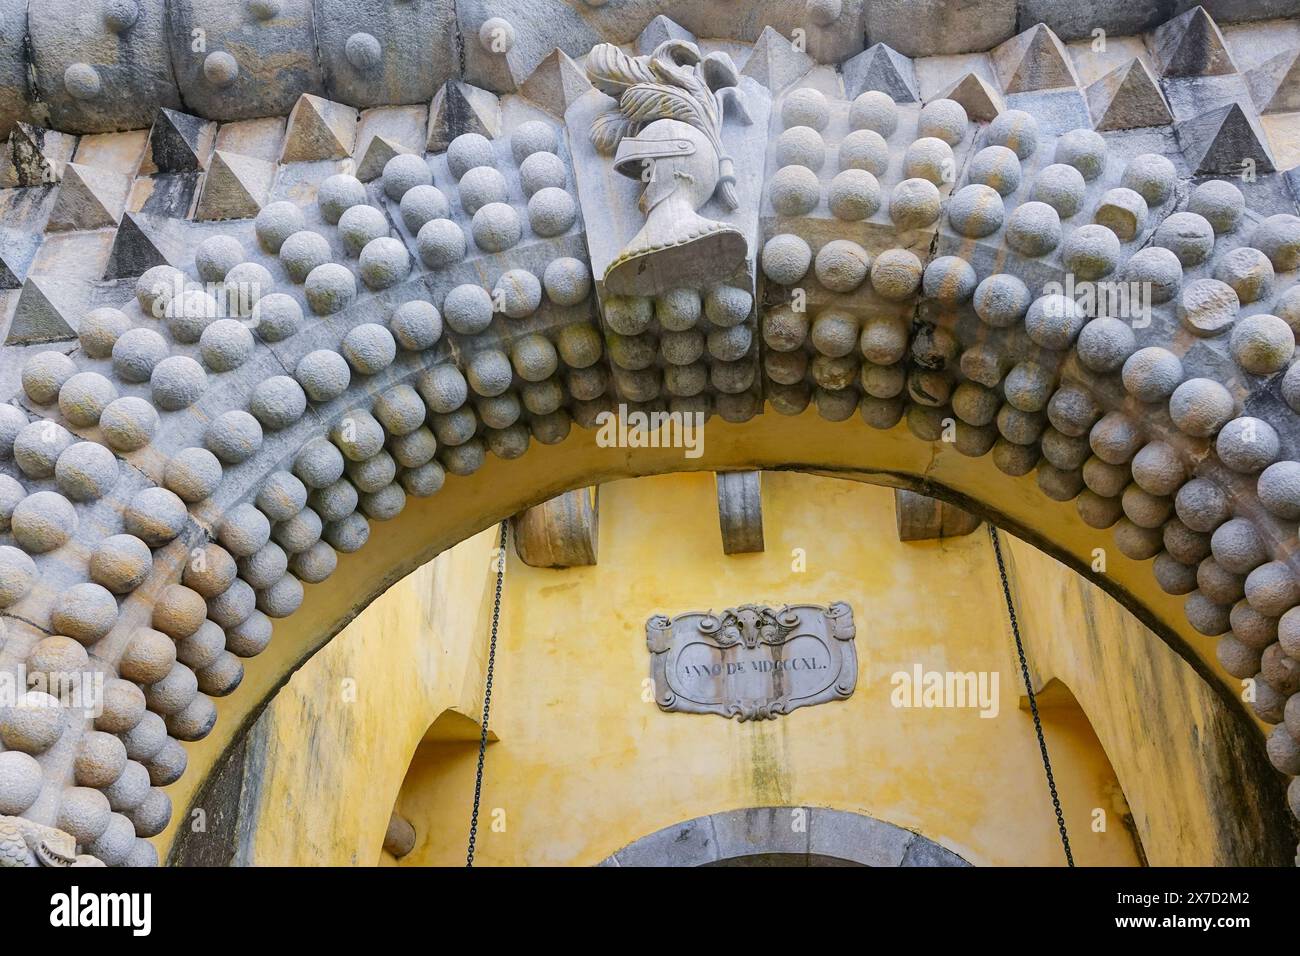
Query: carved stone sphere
x=794 y=191
x=944 y=119
x=930 y=158
x=1062 y=187
x=1262 y=344
x=914 y=204
x=1219 y=202
x=896 y=274
x=383 y=263
x=1104 y=344
x=1189 y=236
x=976 y=211
x=32 y=723
x=786 y=258
x=532 y=137
x=1001 y=300
x=330 y=288
x=337 y=194
x=17 y=574
x=1091 y=252
x=1208 y=306
x=1249 y=273
x=1151 y=176
x=1152 y=374
x=404 y=172
x=540 y=170
x=20 y=782
x=1279 y=489
x=552 y=211
x=997 y=167
x=1123 y=212
x=303 y=251
x=841 y=265
x=496 y=227
x=1083 y=149
x=864 y=149
x=1247 y=444
x=875 y=111
x=360 y=225
x=276 y=223
x=468 y=151
x=805 y=107
x=567 y=281
x=1016 y=130
x=801 y=146
x=441 y=243
x=1033 y=229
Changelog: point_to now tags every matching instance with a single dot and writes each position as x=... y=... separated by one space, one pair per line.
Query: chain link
x=1033 y=701
x=487 y=697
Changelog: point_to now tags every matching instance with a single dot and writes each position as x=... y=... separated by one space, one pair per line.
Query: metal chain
x=1033 y=701
x=487 y=697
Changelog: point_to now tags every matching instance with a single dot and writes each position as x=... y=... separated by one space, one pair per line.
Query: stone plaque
x=753 y=662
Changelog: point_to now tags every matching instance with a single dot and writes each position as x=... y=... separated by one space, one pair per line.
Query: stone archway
x=186 y=464
x=784 y=836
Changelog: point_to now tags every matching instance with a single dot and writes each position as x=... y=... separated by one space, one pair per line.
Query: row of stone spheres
x=270 y=268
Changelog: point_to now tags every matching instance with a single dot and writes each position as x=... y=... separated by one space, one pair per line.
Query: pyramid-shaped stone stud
x=43 y=314
x=1034 y=60
x=34 y=156
x=319 y=129
x=1226 y=140
x=89 y=198
x=459 y=108
x=881 y=68
x=179 y=142
x=1191 y=45
x=980 y=100
x=236 y=187
x=1126 y=98
x=9 y=278
x=775 y=62
x=142 y=242
x=1275 y=84
x=379 y=151
x=556 y=83
x=659 y=30
x=17 y=249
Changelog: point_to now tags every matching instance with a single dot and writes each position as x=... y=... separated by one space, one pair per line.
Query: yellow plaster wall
x=585 y=764
x=333 y=747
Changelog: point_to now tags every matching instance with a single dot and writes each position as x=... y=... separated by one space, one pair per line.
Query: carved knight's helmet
x=667 y=130
x=677 y=246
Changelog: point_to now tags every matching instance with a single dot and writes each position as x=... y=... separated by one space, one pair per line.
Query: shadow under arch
x=784 y=836
x=806 y=442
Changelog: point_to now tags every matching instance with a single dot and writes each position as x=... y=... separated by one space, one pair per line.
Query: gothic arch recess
x=436 y=265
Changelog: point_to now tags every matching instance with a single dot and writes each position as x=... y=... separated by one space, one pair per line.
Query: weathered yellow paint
x=585 y=765
x=333 y=747
x=806 y=442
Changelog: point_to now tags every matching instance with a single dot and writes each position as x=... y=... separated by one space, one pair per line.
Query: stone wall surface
x=304 y=298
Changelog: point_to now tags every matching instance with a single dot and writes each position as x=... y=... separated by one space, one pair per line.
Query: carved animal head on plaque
x=667 y=132
x=749 y=625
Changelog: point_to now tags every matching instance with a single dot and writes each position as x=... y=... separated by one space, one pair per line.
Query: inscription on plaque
x=753 y=662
